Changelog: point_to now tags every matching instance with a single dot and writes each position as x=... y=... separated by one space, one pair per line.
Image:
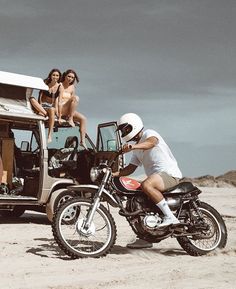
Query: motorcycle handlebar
x=120 y=152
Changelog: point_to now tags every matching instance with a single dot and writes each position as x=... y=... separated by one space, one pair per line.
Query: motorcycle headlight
x=94 y=173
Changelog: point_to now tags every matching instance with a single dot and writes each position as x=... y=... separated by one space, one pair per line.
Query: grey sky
x=172 y=62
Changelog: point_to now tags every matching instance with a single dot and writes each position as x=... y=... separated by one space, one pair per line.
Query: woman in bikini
x=46 y=105
x=68 y=101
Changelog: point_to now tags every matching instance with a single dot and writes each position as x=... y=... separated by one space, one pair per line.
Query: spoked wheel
x=212 y=236
x=72 y=212
x=79 y=241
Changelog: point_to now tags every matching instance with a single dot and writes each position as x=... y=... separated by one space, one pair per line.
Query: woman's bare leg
x=38 y=107
x=73 y=104
x=51 y=116
x=68 y=110
x=83 y=124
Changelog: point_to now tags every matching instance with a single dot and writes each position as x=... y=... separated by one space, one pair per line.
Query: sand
x=31 y=259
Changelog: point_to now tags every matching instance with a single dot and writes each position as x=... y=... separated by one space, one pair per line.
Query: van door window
x=108 y=144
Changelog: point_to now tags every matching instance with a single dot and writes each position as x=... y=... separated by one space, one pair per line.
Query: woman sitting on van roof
x=68 y=101
x=46 y=106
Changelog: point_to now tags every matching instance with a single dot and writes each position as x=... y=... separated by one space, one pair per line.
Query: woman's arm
x=72 y=90
x=40 y=97
x=58 y=103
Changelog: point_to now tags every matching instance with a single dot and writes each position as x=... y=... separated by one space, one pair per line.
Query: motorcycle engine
x=139 y=203
x=148 y=221
x=151 y=221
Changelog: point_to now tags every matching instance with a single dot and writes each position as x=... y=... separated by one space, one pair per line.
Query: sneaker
x=139 y=244
x=167 y=221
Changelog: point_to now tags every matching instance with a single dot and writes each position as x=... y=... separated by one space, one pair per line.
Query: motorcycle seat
x=183 y=187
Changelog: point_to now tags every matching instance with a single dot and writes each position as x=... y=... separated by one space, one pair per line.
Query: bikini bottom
x=47 y=105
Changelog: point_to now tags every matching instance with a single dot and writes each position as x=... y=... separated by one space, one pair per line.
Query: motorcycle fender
x=93 y=189
x=50 y=204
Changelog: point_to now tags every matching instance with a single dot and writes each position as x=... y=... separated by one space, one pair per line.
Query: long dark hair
x=67 y=72
x=49 y=77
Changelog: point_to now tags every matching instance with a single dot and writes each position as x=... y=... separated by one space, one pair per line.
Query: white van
x=36 y=174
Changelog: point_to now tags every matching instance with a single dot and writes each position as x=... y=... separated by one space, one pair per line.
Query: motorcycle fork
x=96 y=202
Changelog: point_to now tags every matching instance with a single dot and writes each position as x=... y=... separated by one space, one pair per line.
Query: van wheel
x=15 y=213
x=63 y=197
x=57 y=198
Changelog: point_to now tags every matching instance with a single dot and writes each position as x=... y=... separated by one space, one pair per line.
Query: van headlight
x=94 y=173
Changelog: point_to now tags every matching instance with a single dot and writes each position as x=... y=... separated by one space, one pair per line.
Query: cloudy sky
x=172 y=62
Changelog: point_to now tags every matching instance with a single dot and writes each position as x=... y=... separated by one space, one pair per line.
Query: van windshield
x=60 y=135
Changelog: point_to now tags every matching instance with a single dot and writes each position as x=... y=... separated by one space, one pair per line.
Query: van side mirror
x=24 y=146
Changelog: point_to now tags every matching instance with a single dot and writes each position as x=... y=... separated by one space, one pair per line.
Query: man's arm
x=128 y=170
x=149 y=143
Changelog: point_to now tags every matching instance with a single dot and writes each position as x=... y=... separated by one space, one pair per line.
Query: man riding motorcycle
x=151 y=151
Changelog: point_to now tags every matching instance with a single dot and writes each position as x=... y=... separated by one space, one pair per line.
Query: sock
x=163 y=206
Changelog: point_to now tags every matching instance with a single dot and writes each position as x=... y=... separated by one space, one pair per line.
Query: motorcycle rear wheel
x=214 y=237
x=76 y=242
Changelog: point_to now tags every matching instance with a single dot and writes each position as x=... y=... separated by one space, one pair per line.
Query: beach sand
x=30 y=259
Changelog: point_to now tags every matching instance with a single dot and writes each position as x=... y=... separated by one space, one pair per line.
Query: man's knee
x=153 y=182
x=145 y=185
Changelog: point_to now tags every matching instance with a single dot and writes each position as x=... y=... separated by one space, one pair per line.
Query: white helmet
x=130 y=125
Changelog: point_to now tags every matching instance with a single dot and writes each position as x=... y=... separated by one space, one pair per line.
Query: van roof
x=22 y=80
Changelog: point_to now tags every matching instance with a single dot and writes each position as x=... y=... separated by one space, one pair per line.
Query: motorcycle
x=84 y=227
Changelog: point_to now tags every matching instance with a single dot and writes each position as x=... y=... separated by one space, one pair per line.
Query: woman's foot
x=83 y=144
x=71 y=122
x=42 y=114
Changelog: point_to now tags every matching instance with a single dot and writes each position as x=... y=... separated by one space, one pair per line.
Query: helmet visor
x=125 y=129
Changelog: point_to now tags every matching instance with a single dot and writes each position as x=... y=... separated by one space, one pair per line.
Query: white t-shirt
x=158 y=159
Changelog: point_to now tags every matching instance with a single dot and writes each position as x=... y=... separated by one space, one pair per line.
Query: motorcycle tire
x=77 y=243
x=212 y=216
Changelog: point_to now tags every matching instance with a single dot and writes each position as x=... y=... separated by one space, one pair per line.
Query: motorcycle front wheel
x=215 y=236
x=77 y=241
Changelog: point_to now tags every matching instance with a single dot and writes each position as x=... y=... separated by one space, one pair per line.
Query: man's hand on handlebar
x=127 y=148
x=116 y=174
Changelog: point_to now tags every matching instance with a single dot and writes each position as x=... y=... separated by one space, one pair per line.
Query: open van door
x=108 y=144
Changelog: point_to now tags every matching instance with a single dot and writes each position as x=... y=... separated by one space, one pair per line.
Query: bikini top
x=52 y=94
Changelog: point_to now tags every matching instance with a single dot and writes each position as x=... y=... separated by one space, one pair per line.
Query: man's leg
x=152 y=187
